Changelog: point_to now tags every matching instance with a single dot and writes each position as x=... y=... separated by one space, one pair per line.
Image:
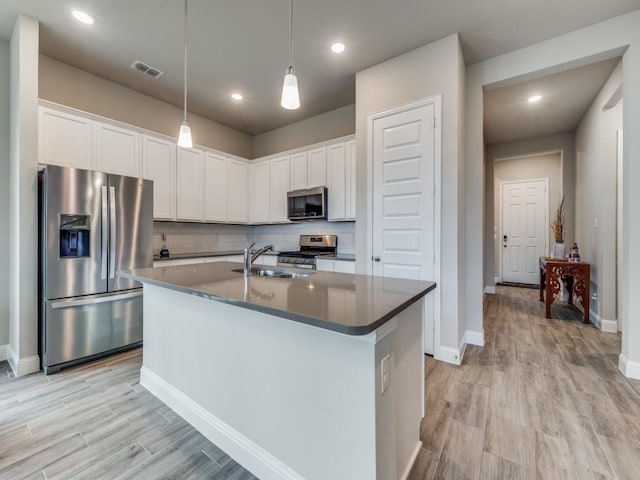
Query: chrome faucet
x=249 y=259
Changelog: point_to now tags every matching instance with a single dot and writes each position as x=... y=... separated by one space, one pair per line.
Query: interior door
x=524 y=230
x=403 y=199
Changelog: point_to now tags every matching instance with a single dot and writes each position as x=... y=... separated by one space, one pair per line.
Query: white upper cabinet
x=117 y=150
x=351 y=181
x=216 y=188
x=261 y=192
x=336 y=181
x=317 y=168
x=64 y=139
x=190 y=184
x=279 y=189
x=309 y=169
x=159 y=165
x=238 y=196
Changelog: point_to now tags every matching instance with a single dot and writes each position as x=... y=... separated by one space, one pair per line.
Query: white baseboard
x=412 y=460
x=628 y=368
x=243 y=450
x=497 y=280
x=609 y=326
x=453 y=355
x=3 y=352
x=490 y=290
x=475 y=338
x=22 y=366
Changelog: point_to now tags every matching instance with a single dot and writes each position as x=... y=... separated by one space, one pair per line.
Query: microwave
x=309 y=204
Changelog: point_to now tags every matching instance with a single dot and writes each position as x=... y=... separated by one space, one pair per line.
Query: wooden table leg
x=586 y=299
x=542 y=283
x=549 y=292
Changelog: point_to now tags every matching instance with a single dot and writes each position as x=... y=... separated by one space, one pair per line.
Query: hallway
x=543 y=399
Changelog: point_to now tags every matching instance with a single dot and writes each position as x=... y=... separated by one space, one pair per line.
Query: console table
x=554 y=271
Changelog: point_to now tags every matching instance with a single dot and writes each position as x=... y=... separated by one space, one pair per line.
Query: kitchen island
x=314 y=377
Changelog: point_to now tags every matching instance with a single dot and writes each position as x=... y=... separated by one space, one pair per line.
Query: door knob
x=376 y=259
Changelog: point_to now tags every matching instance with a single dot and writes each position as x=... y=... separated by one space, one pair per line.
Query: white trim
x=243 y=450
x=628 y=368
x=475 y=338
x=609 y=326
x=436 y=100
x=453 y=355
x=22 y=366
x=3 y=352
x=490 y=290
x=412 y=460
x=497 y=280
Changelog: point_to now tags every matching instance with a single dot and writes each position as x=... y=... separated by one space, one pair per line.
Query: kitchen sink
x=269 y=272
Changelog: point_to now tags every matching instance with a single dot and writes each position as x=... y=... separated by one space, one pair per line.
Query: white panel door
x=403 y=200
x=64 y=139
x=317 y=168
x=159 y=165
x=524 y=230
x=261 y=192
x=279 y=189
x=238 y=196
x=299 y=171
x=336 y=181
x=117 y=150
x=190 y=184
x=215 y=188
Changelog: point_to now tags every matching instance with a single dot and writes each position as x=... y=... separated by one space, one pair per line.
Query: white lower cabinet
x=159 y=165
x=341 y=266
x=190 y=184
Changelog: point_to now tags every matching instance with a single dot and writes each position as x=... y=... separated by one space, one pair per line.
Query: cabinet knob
x=376 y=259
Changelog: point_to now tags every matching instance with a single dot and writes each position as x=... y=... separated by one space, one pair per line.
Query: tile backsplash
x=207 y=237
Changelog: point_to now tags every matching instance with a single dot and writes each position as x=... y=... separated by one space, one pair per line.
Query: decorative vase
x=558 y=249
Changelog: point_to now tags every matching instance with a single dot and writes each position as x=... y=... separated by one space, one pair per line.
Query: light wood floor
x=542 y=400
x=96 y=422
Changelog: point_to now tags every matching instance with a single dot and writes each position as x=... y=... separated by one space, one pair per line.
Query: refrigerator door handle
x=95 y=300
x=112 y=240
x=105 y=232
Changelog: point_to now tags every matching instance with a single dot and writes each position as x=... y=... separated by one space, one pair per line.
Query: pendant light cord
x=290 y=33
x=186 y=37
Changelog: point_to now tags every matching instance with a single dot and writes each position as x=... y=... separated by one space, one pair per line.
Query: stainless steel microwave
x=309 y=204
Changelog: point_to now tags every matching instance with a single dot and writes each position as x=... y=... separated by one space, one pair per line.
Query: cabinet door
x=317 y=168
x=238 y=196
x=279 y=189
x=324 y=265
x=350 y=194
x=117 y=150
x=344 y=266
x=190 y=183
x=215 y=188
x=299 y=171
x=159 y=165
x=336 y=182
x=261 y=192
x=64 y=139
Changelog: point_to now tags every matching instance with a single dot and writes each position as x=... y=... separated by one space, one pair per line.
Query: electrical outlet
x=385 y=371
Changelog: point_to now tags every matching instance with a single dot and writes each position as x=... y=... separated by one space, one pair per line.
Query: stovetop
x=305 y=253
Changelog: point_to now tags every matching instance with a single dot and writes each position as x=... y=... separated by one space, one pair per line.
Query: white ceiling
x=566 y=97
x=242 y=44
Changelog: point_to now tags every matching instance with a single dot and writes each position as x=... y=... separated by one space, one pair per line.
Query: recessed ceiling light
x=337 y=47
x=535 y=98
x=236 y=96
x=82 y=17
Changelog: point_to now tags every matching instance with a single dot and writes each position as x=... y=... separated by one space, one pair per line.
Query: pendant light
x=290 y=96
x=184 y=138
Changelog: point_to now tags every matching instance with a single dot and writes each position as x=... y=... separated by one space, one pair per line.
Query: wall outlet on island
x=385 y=371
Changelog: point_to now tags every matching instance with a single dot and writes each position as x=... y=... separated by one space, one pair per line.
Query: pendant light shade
x=184 y=137
x=290 y=94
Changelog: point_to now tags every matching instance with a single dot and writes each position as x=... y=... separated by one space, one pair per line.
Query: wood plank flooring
x=543 y=399
x=96 y=422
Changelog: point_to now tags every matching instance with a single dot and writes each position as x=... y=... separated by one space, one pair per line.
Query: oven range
x=311 y=246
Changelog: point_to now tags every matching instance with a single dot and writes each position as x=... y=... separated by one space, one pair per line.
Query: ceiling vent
x=147 y=69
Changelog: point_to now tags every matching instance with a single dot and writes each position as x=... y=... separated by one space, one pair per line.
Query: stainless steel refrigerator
x=92 y=224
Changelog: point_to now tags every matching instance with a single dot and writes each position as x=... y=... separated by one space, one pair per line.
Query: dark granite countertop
x=342 y=302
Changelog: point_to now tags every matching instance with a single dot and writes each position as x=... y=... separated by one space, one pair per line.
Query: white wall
x=4 y=194
x=563 y=142
x=435 y=69
x=285 y=237
x=596 y=157
x=61 y=83
x=334 y=124
x=597 y=42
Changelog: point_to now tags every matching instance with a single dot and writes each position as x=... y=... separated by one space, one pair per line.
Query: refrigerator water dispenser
x=75 y=232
